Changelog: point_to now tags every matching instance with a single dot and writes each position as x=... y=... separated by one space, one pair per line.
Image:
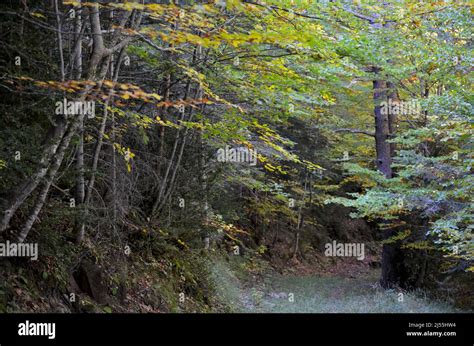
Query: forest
x=236 y=156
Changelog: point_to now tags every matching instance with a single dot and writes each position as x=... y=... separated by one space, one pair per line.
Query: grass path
x=321 y=294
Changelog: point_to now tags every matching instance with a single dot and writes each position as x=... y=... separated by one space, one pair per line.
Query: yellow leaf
x=37 y=14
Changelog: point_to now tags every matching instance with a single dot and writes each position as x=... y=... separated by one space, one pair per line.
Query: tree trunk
x=300 y=221
x=80 y=185
x=392 y=117
x=382 y=130
x=385 y=127
x=26 y=188
x=41 y=198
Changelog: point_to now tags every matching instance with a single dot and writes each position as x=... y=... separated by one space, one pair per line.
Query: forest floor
x=320 y=293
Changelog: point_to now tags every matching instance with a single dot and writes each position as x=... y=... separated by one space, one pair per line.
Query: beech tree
x=319 y=92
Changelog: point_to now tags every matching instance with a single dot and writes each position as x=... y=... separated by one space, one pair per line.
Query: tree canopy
x=152 y=125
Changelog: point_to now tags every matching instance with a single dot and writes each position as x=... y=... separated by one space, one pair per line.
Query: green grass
x=342 y=295
x=317 y=294
x=229 y=288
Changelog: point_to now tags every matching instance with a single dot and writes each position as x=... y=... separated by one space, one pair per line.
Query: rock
x=89 y=278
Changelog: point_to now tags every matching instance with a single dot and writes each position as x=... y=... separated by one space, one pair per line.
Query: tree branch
x=273 y=7
x=363 y=132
